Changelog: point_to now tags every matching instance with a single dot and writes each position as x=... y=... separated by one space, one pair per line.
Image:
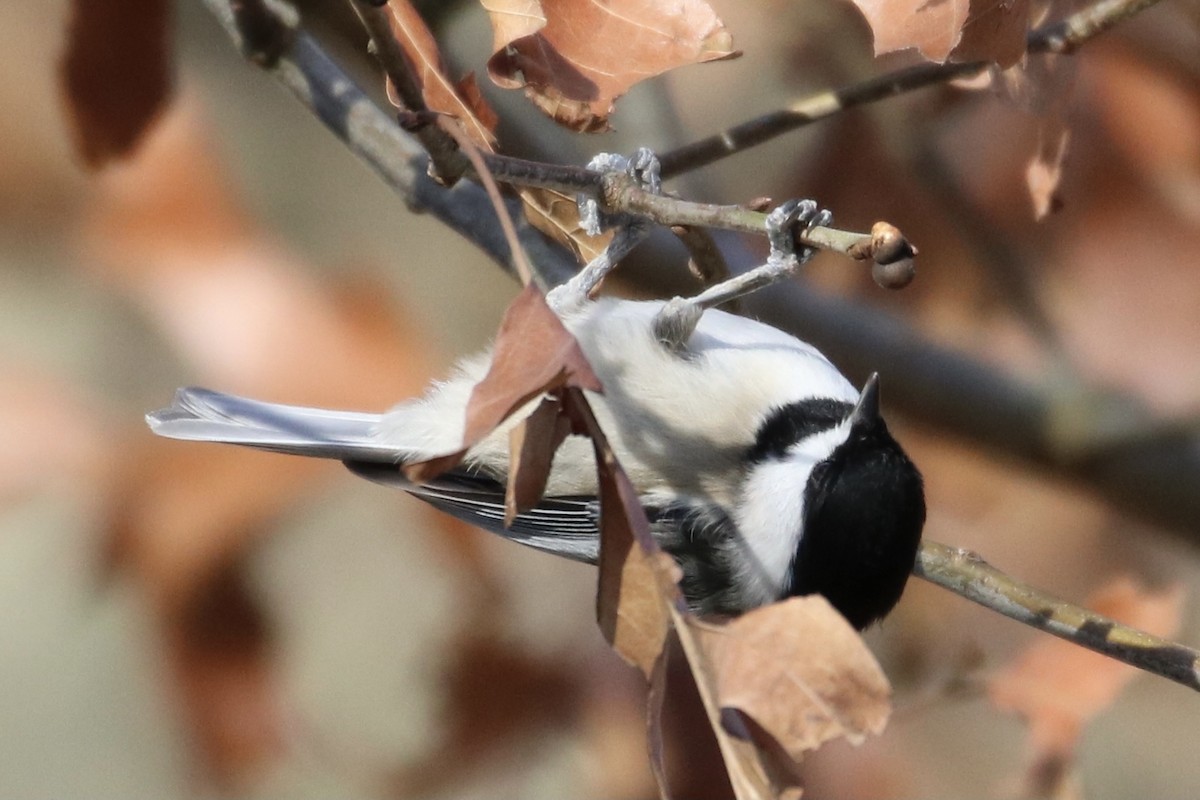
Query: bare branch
x=297 y=61
x=448 y=162
x=967 y=574
x=1057 y=37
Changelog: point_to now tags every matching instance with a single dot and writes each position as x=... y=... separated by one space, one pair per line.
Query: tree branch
x=967 y=574
x=447 y=160
x=1063 y=37
x=267 y=34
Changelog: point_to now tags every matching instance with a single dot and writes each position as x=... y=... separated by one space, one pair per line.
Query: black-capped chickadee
x=762 y=471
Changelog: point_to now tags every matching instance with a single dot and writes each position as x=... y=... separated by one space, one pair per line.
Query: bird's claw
x=645 y=168
x=787 y=221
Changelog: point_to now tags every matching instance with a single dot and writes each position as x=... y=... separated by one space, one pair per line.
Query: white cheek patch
x=770 y=514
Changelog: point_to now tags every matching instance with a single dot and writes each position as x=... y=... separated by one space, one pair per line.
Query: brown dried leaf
x=574 y=58
x=801 y=672
x=1152 y=117
x=967 y=30
x=995 y=31
x=1058 y=687
x=932 y=28
x=531 y=447
x=533 y=354
x=425 y=62
x=557 y=215
x=636 y=590
x=755 y=772
x=496 y=694
x=116 y=74
x=780 y=681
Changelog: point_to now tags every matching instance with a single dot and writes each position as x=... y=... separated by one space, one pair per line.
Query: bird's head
x=834 y=506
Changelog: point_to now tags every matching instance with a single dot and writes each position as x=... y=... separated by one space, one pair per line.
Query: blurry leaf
x=116 y=74
x=53 y=437
x=988 y=30
x=219 y=648
x=243 y=314
x=440 y=93
x=1152 y=118
x=1059 y=687
x=1045 y=169
x=574 y=58
x=498 y=697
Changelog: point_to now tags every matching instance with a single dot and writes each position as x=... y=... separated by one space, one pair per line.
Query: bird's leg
x=678 y=318
x=630 y=230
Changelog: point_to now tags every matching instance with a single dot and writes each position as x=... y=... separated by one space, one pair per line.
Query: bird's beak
x=866 y=412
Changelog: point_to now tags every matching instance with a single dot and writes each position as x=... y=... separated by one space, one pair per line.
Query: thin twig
x=966 y=574
x=448 y=163
x=299 y=62
x=1064 y=36
x=706 y=261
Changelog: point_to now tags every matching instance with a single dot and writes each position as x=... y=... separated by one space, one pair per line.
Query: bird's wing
x=565 y=526
x=207 y=416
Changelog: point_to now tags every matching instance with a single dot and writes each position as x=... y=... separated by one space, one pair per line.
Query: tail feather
x=203 y=415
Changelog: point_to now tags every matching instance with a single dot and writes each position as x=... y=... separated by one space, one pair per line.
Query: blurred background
x=190 y=621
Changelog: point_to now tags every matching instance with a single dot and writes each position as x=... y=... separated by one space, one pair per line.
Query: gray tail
x=203 y=415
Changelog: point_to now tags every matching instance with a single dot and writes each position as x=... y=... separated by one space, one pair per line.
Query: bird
x=762 y=471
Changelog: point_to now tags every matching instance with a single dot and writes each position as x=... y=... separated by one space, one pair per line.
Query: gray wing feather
x=564 y=526
x=207 y=416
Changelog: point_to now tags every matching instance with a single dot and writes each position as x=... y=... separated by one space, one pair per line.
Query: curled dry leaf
x=1059 y=687
x=531 y=446
x=932 y=28
x=801 y=672
x=462 y=101
x=637 y=589
x=574 y=58
x=967 y=30
x=116 y=74
x=780 y=681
